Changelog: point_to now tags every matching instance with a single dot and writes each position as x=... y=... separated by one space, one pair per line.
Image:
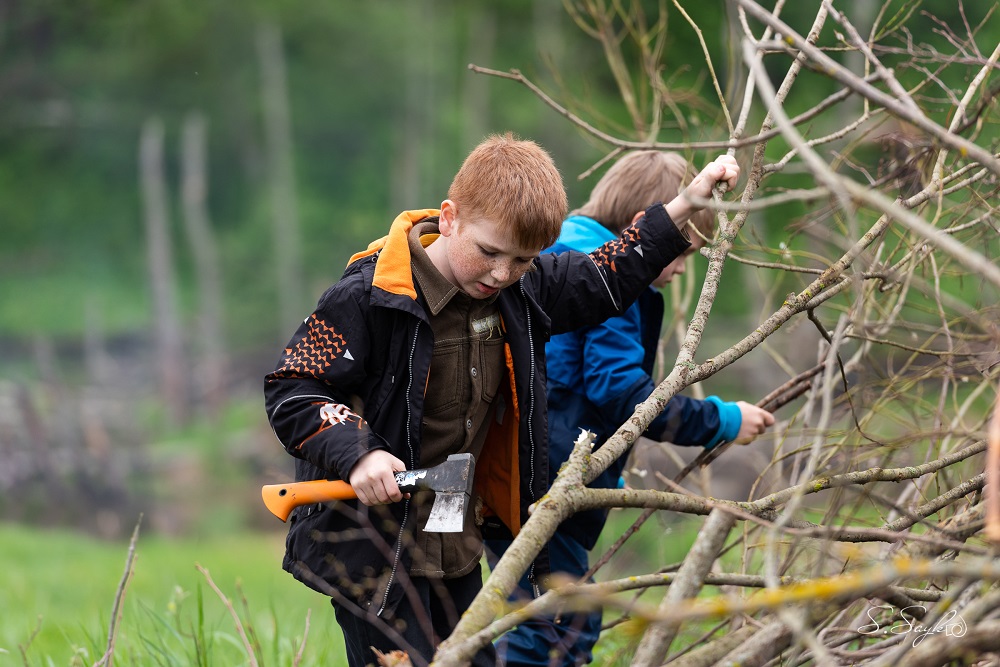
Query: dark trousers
x=565 y=641
x=440 y=602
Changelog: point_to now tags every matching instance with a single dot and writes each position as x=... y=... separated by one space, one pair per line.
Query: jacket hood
x=582 y=234
x=392 y=269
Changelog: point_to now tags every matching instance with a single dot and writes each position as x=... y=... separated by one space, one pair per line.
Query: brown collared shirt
x=466 y=370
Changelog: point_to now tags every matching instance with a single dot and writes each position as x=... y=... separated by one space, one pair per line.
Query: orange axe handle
x=281 y=499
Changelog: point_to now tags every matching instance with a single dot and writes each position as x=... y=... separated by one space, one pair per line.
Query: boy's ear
x=449 y=214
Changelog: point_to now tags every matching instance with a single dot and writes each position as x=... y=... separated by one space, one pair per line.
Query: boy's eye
x=488 y=253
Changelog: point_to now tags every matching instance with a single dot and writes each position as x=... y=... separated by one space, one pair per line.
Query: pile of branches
x=880 y=547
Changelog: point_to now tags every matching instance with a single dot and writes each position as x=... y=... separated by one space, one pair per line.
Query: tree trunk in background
x=99 y=365
x=548 y=21
x=211 y=341
x=476 y=87
x=281 y=174
x=163 y=284
x=412 y=137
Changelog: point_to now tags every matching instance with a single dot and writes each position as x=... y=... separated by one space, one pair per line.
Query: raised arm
x=722 y=169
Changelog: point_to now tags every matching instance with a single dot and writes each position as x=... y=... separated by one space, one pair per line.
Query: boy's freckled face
x=476 y=257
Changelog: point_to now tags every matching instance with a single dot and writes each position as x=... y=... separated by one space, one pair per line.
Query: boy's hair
x=514 y=183
x=635 y=182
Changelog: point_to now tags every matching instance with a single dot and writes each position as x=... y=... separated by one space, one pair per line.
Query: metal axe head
x=451 y=483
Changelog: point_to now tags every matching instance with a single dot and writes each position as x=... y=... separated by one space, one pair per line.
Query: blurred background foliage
x=383 y=108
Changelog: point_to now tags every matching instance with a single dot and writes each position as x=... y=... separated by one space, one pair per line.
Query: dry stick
x=599 y=498
x=884 y=73
x=838 y=72
x=781 y=396
x=232 y=612
x=709 y=653
x=544 y=518
x=23 y=648
x=837 y=589
x=672 y=501
x=804 y=633
x=621 y=145
x=772 y=639
x=824 y=287
x=107 y=658
x=937 y=238
x=943 y=242
x=711 y=69
x=946 y=649
x=589 y=596
x=251 y=631
x=704 y=639
x=890 y=532
x=818 y=285
x=953 y=600
x=689 y=581
x=963 y=105
x=302 y=645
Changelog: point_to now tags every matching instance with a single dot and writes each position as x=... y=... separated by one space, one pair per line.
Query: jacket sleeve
x=614 y=380
x=579 y=289
x=307 y=396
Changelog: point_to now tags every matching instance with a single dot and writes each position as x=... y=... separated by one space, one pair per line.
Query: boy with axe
x=433 y=344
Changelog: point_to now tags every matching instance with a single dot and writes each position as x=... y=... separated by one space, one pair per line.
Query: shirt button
x=468 y=423
x=474 y=372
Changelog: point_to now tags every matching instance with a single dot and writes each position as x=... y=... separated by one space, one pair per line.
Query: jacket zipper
x=409 y=446
x=531 y=414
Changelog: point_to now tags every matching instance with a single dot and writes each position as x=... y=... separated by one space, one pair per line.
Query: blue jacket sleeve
x=612 y=365
x=615 y=380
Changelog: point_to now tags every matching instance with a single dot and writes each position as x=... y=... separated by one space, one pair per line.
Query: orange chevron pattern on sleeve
x=606 y=254
x=313 y=353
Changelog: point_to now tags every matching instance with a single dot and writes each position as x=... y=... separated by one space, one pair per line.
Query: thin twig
x=251 y=656
x=108 y=657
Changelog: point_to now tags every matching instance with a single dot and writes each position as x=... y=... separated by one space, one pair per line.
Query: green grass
x=57 y=589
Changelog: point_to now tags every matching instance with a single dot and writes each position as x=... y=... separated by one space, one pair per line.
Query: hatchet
x=450 y=481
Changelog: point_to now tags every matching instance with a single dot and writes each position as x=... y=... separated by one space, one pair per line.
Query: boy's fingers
x=392 y=492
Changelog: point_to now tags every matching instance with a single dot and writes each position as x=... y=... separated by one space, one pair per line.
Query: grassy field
x=57 y=589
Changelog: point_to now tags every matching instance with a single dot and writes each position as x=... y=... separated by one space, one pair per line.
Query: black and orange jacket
x=352 y=380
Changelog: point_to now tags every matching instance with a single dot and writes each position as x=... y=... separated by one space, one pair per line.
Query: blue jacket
x=598 y=374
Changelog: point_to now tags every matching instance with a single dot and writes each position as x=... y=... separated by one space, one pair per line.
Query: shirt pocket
x=492 y=362
x=444 y=383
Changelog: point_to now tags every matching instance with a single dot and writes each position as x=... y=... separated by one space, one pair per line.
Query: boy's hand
x=721 y=170
x=755 y=421
x=373 y=478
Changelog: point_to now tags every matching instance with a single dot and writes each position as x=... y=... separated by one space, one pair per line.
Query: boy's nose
x=501 y=272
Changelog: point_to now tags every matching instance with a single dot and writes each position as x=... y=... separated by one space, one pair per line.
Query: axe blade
x=447 y=513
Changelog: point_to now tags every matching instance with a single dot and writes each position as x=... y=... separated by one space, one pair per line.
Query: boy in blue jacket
x=433 y=343
x=596 y=377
